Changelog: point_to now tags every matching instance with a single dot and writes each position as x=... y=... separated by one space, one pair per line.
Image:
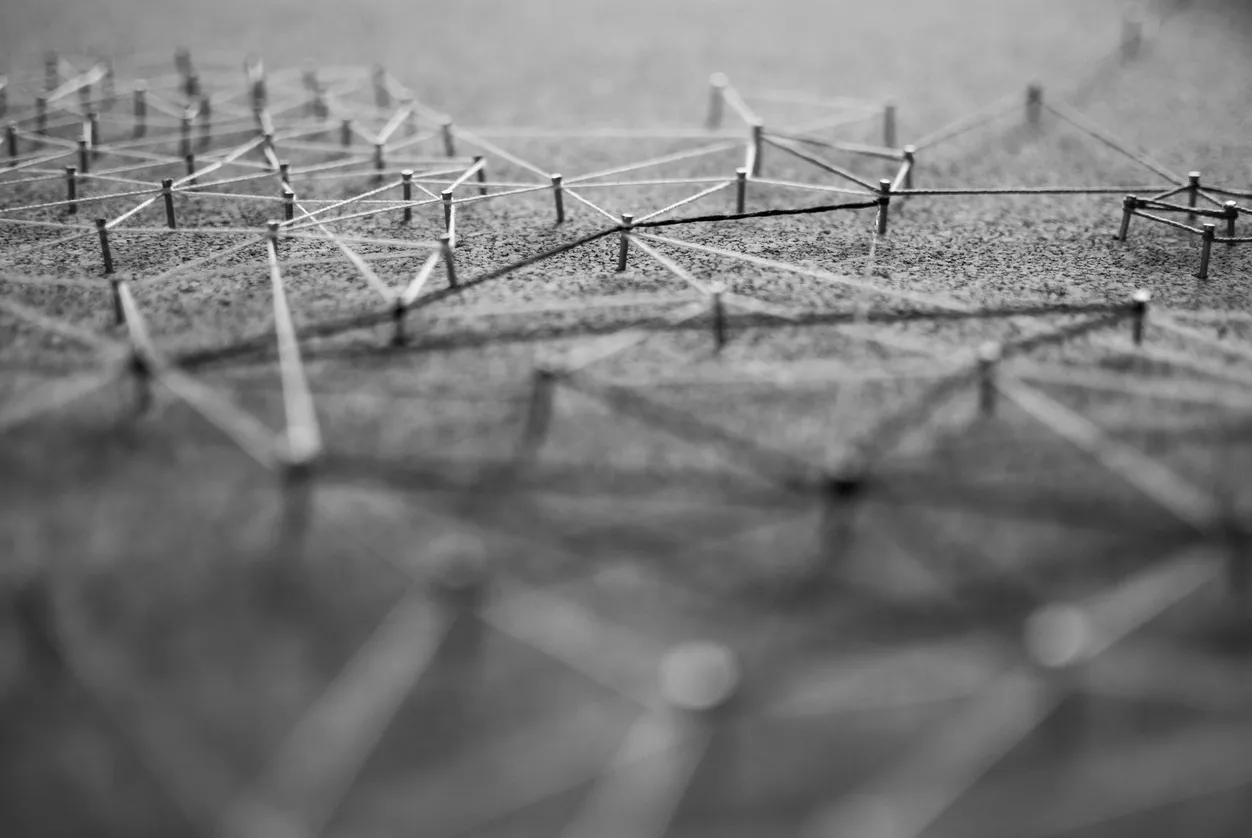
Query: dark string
x=670 y=222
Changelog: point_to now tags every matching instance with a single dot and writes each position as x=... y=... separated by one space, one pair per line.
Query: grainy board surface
x=164 y=539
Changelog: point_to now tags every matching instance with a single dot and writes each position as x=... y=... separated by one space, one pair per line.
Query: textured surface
x=218 y=668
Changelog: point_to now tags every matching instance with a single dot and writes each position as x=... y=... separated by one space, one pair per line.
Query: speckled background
x=202 y=634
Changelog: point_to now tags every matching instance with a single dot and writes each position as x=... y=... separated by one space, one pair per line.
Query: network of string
x=324 y=153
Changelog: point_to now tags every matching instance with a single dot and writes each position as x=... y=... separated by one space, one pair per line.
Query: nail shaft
x=119 y=313
x=989 y=355
x=758 y=132
x=445 y=247
x=206 y=121
x=1206 y=249
x=398 y=313
x=108 y=89
x=406 y=193
x=140 y=104
x=182 y=61
x=51 y=70
x=449 y=144
x=884 y=204
x=1139 y=315
x=741 y=189
x=1132 y=36
x=410 y=120
x=482 y=174
x=1193 y=194
x=268 y=147
x=71 y=189
x=558 y=196
x=623 y=249
x=105 y=254
x=446 y=195
x=538 y=411
x=167 y=195
x=1034 y=104
x=142 y=374
x=93 y=133
x=1129 y=204
x=717 y=98
x=257 y=93
x=382 y=96
x=719 y=319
